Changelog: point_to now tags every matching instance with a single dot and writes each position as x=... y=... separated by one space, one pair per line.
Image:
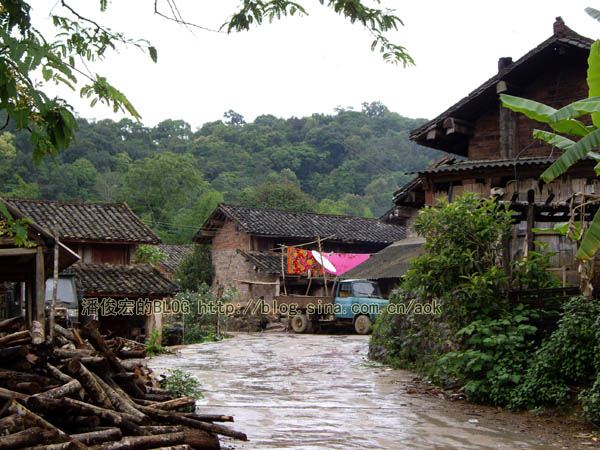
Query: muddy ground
x=290 y=391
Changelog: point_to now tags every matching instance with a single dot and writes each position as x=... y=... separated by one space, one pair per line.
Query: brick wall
x=231 y=266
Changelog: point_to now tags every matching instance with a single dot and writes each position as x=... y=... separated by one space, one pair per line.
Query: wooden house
x=492 y=151
x=247 y=244
x=105 y=236
x=24 y=270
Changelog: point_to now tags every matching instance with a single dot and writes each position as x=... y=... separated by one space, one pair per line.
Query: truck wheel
x=362 y=324
x=299 y=323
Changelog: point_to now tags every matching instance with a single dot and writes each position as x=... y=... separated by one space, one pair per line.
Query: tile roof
x=106 y=222
x=121 y=280
x=462 y=166
x=265 y=262
x=391 y=262
x=471 y=106
x=303 y=225
x=175 y=255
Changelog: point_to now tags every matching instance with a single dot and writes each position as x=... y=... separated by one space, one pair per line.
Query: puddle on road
x=310 y=392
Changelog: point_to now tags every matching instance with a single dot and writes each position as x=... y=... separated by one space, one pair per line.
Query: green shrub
x=181 y=384
x=152 y=346
x=568 y=357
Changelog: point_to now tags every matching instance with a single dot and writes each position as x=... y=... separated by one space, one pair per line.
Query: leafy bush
x=200 y=322
x=145 y=254
x=495 y=356
x=181 y=384
x=481 y=342
x=568 y=357
x=152 y=344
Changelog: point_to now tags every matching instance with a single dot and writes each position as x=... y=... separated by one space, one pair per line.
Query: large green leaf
x=578 y=108
x=593 y=78
x=556 y=140
x=593 y=12
x=591 y=240
x=540 y=112
x=572 y=155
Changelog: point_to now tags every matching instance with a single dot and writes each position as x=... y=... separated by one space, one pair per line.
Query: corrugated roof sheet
x=121 y=279
x=488 y=164
x=108 y=222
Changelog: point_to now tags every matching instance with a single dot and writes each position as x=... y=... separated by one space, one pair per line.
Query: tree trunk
x=202 y=439
x=91 y=332
x=18 y=336
x=12 y=423
x=71 y=387
x=65 y=353
x=119 y=400
x=209 y=417
x=96 y=437
x=174 y=418
x=181 y=402
x=16 y=408
x=121 y=420
x=10 y=353
x=13 y=323
x=144 y=442
x=26 y=438
x=37 y=332
x=89 y=383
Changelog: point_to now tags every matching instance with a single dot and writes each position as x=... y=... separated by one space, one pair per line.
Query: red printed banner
x=302 y=261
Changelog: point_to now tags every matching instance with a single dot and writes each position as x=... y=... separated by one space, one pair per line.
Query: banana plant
x=564 y=121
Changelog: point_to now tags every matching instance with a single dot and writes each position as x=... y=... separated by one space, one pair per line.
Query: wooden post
x=323 y=266
x=40 y=287
x=283 y=249
x=54 y=286
x=29 y=300
x=530 y=220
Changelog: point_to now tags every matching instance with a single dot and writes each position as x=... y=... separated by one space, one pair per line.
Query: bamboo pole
x=54 y=287
x=323 y=267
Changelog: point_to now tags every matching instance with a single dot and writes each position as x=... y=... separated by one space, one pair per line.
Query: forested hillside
x=172 y=176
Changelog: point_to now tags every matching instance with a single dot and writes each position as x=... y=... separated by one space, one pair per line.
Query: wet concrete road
x=305 y=392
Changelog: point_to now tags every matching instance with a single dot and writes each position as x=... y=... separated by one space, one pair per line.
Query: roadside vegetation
x=495 y=350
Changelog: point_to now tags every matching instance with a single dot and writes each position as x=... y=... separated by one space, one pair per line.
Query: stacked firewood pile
x=75 y=392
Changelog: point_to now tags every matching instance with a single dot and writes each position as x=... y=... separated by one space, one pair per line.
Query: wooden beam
x=452 y=125
x=432 y=135
x=40 y=287
x=17 y=251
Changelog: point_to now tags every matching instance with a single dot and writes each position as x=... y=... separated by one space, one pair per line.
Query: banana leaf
x=593 y=78
x=593 y=12
x=540 y=112
x=572 y=155
x=578 y=108
x=591 y=240
x=556 y=140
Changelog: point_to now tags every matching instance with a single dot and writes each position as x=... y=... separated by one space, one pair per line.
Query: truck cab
x=360 y=301
x=350 y=302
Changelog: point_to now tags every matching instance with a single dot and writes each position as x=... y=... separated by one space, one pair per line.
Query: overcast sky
x=300 y=66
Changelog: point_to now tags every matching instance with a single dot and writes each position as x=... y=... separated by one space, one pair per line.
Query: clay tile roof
x=462 y=166
x=175 y=255
x=305 y=225
x=107 y=222
x=265 y=262
x=518 y=72
x=121 y=280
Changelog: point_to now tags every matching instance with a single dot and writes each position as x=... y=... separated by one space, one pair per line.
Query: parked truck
x=352 y=302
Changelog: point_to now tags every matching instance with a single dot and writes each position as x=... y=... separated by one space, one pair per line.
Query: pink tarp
x=340 y=262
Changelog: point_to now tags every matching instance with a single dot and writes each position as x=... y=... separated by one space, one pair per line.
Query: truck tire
x=362 y=324
x=299 y=323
